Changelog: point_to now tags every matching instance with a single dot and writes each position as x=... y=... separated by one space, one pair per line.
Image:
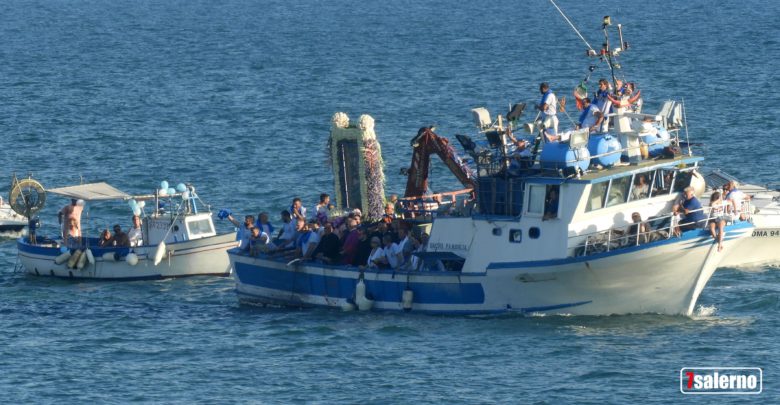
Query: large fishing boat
x=560 y=223
x=175 y=238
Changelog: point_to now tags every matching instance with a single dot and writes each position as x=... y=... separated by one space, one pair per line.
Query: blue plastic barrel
x=557 y=155
x=606 y=145
x=656 y=143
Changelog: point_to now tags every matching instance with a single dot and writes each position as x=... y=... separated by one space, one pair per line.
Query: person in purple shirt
x=694 y=216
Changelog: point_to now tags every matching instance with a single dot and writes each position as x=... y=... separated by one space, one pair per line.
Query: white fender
x=74 y=258
x=62 y=258
x=347 y=307
x=82 y=261
x=406 y=299
x=131 y=259
x=90 y=256
x=363 y=303
x=109 y=256
x=159 y=253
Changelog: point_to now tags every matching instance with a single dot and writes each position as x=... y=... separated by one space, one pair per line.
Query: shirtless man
x=72 y=210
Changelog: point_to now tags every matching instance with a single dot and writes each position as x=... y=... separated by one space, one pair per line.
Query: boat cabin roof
x=92 y=192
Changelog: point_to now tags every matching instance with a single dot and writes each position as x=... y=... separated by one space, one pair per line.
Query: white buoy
x=158 y=255
x=74 y=258
x=109 y=256
x=131 y=259
x=406 y=299
x=90 y=256
x=62 y=258
x=363 y=303
x=82 y=260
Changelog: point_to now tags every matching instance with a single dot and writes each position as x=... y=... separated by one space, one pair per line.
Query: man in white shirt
x=244 y=232
x=590 y=117
x=548 y=106
x=134 y=234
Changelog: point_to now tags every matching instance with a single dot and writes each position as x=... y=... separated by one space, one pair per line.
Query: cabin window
x=536 y=199
x=641 y=187
x=496 y=231
x=551 y=202
x=534 y=232
x=618 y=191
x=598 y=193
x=199 y=227
x=515 y=235
x=663 y=182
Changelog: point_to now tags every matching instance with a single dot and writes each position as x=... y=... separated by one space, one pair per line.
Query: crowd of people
x=332 y=238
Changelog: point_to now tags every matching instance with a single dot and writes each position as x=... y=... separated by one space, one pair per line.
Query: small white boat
x=762 y=247
x=10 y=221
x=176 y=242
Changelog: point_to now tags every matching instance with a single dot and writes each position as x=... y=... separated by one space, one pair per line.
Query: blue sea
x=236 y=97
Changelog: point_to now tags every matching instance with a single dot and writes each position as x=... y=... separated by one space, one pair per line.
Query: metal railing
x=623 y=236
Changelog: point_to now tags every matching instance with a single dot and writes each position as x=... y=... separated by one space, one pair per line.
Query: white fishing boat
x=177 y=239
x=10 y=221
x=763 y=245
x=553 y=231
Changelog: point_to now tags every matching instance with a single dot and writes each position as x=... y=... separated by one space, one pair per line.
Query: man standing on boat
x=72 y=210
x=134 y=234
x=590 y=117
x=548 y=106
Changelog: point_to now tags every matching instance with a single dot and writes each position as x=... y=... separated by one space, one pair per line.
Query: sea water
x=236 y=97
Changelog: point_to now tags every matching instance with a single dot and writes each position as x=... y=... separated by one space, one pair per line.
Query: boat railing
x=658 y=228
x=429 y=206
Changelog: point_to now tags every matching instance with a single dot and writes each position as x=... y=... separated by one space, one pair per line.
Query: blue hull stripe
x=552 y=307
x=300 y=282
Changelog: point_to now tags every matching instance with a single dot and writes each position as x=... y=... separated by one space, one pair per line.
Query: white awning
x=91 y=192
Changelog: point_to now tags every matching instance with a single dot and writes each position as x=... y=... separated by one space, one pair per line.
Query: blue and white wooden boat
x=176 y=242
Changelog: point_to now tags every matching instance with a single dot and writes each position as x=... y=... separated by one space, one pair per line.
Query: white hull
x=663 y=277
x=204 y=256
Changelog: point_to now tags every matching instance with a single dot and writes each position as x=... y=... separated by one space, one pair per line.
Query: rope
x=572 y=25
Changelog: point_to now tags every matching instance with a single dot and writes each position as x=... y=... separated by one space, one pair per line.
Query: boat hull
x=664 y=277
x=204 y=256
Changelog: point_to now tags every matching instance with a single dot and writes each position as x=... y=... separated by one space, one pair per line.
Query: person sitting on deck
x=308 y=242
x=717 y=218
x=244 y=230
x=264 y=224
x=390 y=250
x=72 y=234
x=287 y=232
x=120 y=238
x=639 y=231
x=590 y=117
x=297 y=210
x=134 y=234
x=735 y=201
x=105 y=238
x=254 y=242
x=405 y=248
x=691 y=207
x=676 y=217
x=328 y=251
x=376 y=258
